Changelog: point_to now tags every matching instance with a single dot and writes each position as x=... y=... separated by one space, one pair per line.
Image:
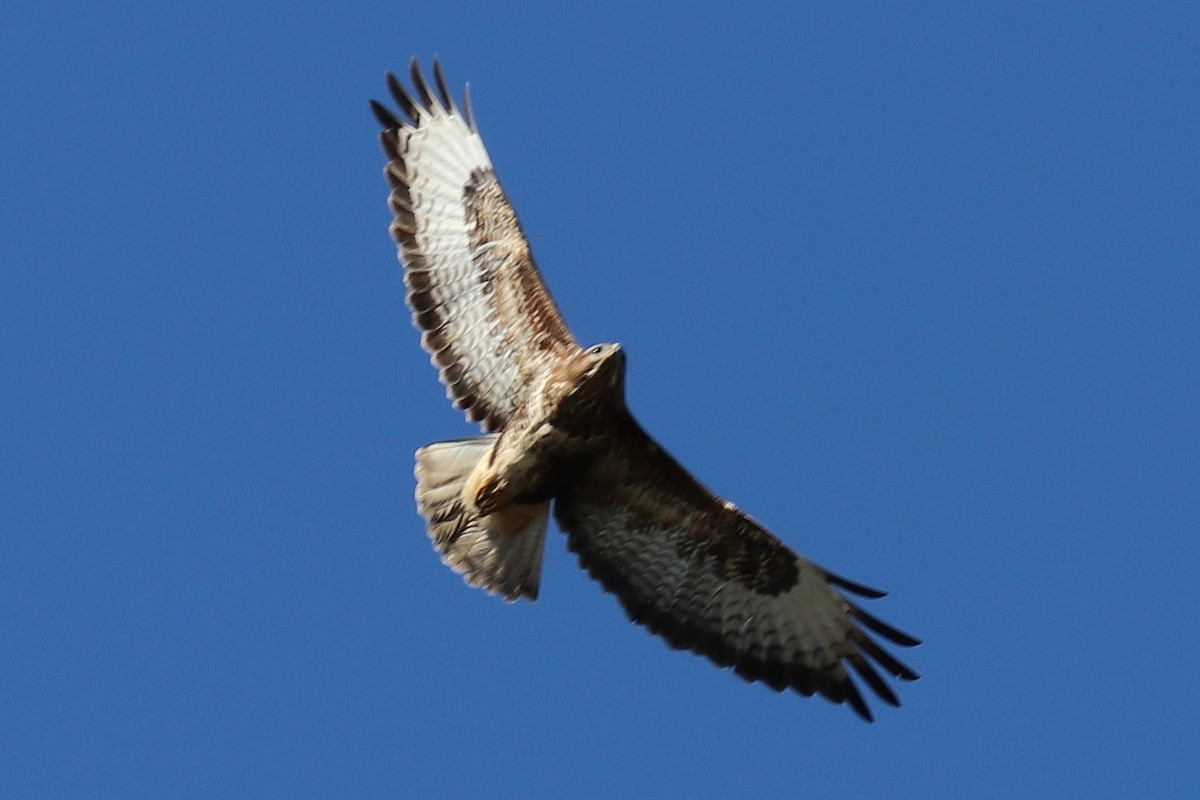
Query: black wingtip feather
x=883 y=658
x=420 y=84
x=440 y=79
x=851 y=695
x=852 y=587
x=385 y=116
x=880 y=627
x=872 y=679
x=402 y=98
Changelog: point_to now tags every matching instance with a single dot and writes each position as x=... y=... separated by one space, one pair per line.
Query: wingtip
x=421 y=84
x=855 y=700
x=439 y=78
x=384 y=115
x=401 y=96
x=423 y=97
x=469 y=108
x=859 y=589
x=874 y=680
x=878 y=626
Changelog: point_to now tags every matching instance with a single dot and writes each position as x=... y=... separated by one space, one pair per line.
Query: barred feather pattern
x=488 y=322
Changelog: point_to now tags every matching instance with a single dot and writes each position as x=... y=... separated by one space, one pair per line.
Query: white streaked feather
x=468 y=268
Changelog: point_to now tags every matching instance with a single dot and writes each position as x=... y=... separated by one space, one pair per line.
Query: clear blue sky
x=918 y=287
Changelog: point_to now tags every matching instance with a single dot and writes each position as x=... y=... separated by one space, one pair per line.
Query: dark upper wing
x=701 y=574
x=489 y=323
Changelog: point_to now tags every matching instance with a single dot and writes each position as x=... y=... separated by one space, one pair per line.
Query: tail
x=501 y=552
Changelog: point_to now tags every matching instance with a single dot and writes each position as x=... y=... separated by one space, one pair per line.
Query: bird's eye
x=595 y=349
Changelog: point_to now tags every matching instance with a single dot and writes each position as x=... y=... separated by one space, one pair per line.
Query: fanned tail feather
x=500 y=552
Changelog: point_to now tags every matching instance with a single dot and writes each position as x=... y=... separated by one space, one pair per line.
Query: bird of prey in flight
x=689 y=566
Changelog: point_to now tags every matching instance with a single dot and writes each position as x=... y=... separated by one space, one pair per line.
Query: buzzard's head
x=591 y=387
x=603 y=368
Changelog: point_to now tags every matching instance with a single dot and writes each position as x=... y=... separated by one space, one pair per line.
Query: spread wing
x=488 y=321
x=705 y=577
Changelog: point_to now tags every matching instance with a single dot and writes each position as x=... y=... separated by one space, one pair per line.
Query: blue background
x=917 y=286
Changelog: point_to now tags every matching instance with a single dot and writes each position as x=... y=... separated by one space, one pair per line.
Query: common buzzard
x=689 y=566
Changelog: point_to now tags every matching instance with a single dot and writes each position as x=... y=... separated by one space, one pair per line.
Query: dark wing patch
x=751 y=557
x=705 y=577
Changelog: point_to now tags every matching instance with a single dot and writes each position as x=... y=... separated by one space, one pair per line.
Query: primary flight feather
x=689 y=566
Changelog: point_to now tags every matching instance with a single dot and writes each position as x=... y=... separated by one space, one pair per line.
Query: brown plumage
x=689 y=566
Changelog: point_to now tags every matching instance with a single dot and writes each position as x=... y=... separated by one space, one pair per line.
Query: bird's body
x=686 y=564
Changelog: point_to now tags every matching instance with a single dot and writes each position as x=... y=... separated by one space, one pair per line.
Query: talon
x=485 y=496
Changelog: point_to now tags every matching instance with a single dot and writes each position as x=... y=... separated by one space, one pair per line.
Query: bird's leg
x=514 y=470
x=493 y=493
